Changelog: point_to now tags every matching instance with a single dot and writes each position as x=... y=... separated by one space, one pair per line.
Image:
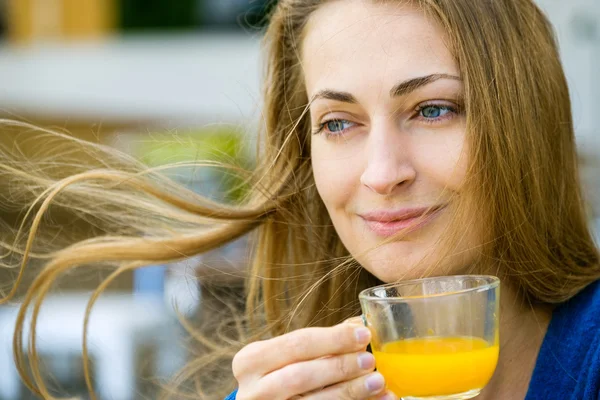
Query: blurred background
x=133 y=73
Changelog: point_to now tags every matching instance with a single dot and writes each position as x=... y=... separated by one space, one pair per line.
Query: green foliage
x=226 y=146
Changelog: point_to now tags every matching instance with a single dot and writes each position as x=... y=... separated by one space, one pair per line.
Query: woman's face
x=388 y=139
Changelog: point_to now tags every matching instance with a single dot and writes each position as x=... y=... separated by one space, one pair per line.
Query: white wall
x=577 y=23
x=177 y=79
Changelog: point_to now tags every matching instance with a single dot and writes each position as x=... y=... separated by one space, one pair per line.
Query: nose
x=389 y=163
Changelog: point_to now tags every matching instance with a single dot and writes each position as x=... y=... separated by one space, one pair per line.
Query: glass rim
x=492 y=283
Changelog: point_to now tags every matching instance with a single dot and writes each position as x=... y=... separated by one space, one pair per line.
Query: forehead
x=358 y=44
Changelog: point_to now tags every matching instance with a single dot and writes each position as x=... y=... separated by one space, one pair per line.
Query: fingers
x=370 y=387
x=355 y=320
x=309 y=376
x=263 y=357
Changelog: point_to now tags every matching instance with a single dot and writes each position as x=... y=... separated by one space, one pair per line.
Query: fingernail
x=366 y=361
x=375 y=383
x=387 y=396
x=363 y=335
x=354 y=320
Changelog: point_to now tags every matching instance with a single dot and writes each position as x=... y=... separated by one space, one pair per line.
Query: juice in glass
x=435 y=338
x=434 y=366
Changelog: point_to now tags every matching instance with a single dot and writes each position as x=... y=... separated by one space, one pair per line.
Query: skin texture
x=385 y=152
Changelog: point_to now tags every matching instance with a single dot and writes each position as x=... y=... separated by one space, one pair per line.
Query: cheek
x=444 y=162
x=336 y=177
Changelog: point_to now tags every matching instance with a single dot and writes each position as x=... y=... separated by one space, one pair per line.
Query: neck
x=522 y=330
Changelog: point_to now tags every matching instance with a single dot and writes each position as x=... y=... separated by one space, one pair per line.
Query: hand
x=312 y=364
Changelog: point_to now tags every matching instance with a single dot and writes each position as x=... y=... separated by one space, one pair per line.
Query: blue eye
x=333 y=127
x=433 y=112
x=337 y=125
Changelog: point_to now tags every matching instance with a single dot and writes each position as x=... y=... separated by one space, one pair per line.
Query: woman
x=402 y=139
x=449 y=121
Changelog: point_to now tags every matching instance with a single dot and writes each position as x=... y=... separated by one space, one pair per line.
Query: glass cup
x=435 y=338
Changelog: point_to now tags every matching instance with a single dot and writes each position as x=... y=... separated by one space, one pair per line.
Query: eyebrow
x=401 y=89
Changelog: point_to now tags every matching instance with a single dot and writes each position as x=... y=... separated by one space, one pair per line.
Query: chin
x=400 y=261
x=394 y=268
x=391 y=275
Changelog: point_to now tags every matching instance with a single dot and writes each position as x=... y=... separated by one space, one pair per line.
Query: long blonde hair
x=523 y=174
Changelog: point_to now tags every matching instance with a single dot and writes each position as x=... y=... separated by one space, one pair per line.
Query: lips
x=389 y=222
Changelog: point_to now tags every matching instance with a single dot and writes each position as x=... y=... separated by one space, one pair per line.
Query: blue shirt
x=568 y=364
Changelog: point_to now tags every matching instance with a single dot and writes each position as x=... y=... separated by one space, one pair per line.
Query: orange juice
x=437 y=366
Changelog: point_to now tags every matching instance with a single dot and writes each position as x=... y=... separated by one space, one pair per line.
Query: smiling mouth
x=389 y=223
